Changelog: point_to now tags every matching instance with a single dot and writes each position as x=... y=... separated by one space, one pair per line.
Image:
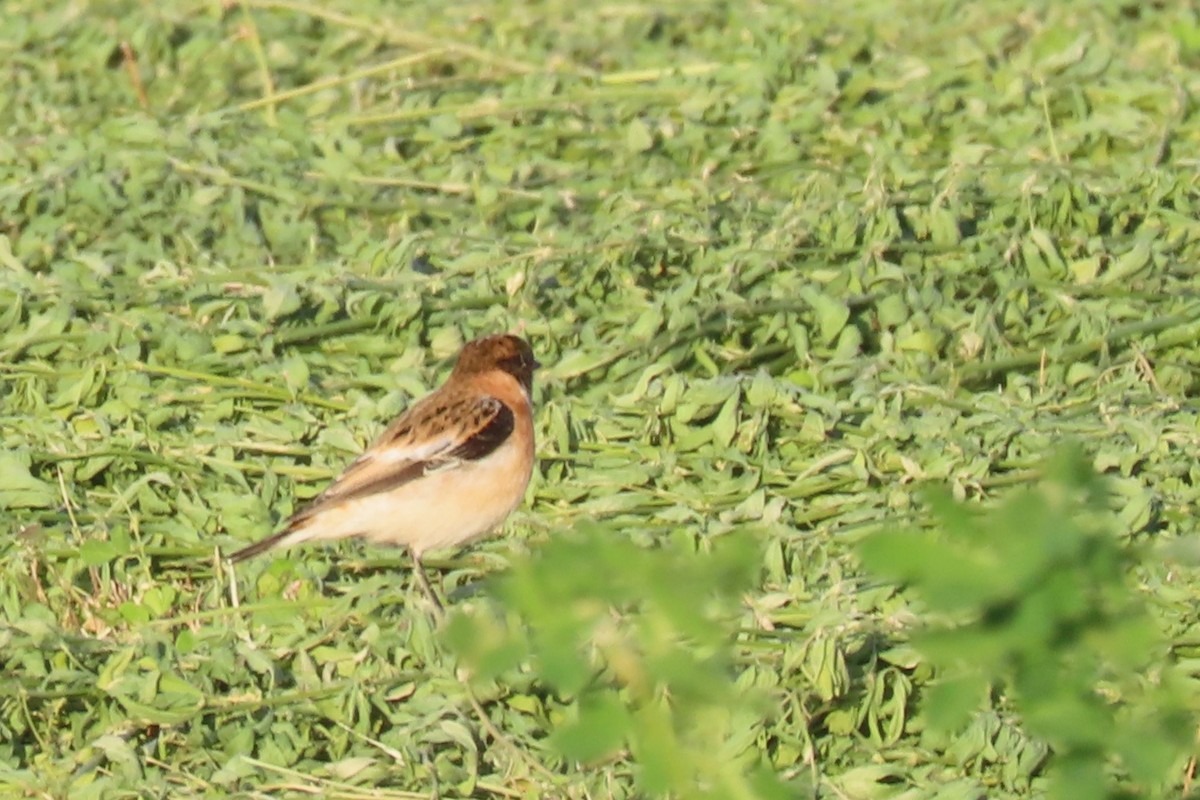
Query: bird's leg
x=423 y=579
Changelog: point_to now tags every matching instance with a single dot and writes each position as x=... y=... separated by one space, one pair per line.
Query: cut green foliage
x=786 y=264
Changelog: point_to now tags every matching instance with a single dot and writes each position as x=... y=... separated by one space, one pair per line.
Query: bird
x=446 y=472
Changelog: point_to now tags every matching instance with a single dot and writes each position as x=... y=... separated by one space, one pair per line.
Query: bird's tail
x=285 y=537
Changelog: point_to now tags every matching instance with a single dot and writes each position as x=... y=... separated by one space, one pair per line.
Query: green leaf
x=279 y=300
x=950 y=702
x=599 y=731
x=638 y=137
x=95 y=552
x=832 y=315
x=19 y=488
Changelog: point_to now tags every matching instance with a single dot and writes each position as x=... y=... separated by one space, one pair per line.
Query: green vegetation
x=793 y=270
x=1033 y=599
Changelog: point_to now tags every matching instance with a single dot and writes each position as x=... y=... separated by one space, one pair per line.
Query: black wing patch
x=491 y=435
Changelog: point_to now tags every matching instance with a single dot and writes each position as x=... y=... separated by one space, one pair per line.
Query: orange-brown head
x=506 y=352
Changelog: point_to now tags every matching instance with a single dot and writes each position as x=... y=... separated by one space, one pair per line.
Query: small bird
x=446 y=472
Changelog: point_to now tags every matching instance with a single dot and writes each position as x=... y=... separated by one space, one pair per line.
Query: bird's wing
x=437 y=433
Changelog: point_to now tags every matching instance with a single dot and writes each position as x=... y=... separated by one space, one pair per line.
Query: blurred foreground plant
x=640 y=640
x=1033 y=602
